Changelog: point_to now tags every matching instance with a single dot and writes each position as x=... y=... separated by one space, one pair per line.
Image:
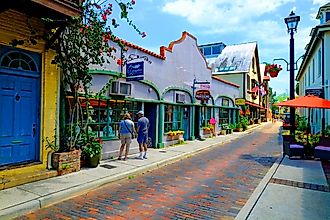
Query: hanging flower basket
x=273 y=69
x=273 y=73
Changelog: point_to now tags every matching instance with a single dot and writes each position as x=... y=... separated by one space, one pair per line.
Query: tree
x=79 y=42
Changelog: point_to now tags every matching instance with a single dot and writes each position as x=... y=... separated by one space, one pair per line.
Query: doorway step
x=22 y=178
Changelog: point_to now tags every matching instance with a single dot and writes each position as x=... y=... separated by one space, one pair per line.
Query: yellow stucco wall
x=14 y=26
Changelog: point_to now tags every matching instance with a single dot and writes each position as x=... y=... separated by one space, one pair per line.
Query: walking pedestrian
x=126 y=133
x=142 y=130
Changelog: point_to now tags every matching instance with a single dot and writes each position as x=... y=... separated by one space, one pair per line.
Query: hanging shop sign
x=203 y=95
x=316 y=92
x=239 y=101
x=205 y=86
x=135 y=71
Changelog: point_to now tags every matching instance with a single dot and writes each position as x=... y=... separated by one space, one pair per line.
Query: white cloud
x=222 y=13
x=320 y=2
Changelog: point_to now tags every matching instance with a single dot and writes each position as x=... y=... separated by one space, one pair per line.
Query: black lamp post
x=292 y=22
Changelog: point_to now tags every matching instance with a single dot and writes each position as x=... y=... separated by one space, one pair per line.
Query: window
x=319 y=63
x=225 y=102
x=216 y=50
x=105 y=115
x=313 y=71
x=206 y=114
x=327 y=16
x=207 y=51
x=248 y=82
x=224 y=116
x=173 y=118
x=18 y=60
x=309 y=75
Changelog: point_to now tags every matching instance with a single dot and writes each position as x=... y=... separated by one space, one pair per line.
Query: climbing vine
x=81 y=41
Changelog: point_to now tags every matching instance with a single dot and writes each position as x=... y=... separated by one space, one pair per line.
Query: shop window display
x=206 y=115
x=105 y=115
x=173 y=118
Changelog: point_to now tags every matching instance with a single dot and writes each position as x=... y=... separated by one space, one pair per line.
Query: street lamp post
x=292 y=22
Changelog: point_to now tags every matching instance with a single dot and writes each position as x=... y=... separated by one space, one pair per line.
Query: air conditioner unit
x=120 y=88
x=180 y=97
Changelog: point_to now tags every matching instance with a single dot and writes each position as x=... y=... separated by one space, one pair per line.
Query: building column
x=160 y=143
x=192 y=123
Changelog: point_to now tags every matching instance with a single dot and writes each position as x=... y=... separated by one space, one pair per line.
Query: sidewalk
x=292 y=189
x=25 y=198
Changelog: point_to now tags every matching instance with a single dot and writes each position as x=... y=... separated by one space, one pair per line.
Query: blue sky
x=227 y=21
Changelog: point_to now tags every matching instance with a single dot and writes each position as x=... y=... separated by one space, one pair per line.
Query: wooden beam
x=59 y=6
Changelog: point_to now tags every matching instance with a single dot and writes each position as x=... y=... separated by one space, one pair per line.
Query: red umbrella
x=308 y=101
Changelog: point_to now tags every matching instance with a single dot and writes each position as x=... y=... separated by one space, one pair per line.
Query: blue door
x=19 y=110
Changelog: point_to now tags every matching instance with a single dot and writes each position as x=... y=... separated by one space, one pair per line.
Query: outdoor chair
x=322 y=150
x=292 y=148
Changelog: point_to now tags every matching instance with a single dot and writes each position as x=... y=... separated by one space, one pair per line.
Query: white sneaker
x=145 y=157
x=140 y=157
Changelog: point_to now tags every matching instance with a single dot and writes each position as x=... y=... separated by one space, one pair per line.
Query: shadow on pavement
x=265 y=161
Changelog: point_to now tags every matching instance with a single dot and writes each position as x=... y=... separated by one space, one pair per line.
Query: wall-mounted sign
x=317 y=92
x=135 y=71
x=239 y=101
x=203 y=86
x=203 y=95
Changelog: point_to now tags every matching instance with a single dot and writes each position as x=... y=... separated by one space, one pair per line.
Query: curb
x=252 y=201
x=50 y=199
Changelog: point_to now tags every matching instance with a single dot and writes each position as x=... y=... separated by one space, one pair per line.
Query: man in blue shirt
x=142 y=130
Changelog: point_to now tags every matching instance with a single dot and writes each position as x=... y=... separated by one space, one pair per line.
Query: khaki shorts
x=126 y=138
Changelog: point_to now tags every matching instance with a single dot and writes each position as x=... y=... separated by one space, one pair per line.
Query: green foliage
x=326 y=131
x=244 y=121
x=92 y=145
x=306 y=139
x=51 y=144
x=302 y=123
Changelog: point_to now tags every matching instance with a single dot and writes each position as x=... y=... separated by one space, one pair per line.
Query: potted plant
x=92 y=148
x=244 y=121
x=238 y=127
x=309 y=141
x=53 y=147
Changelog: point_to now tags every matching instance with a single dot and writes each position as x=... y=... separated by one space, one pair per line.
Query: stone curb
x=44 y=201
x=252 y=201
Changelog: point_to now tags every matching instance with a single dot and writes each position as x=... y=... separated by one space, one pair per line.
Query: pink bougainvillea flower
x=143 y=34
x=119 y=62
x=104 y=17
x=133 y=2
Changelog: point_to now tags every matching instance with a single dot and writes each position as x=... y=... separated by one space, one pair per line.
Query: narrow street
x=214 y=184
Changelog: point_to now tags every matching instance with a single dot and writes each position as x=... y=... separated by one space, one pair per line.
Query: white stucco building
x=314 y=73
x=164 y=91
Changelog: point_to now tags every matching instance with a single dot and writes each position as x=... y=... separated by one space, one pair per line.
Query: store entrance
x=150 y=111
x=197 y=122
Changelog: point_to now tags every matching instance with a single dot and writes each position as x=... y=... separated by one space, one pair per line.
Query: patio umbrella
x=308 y=101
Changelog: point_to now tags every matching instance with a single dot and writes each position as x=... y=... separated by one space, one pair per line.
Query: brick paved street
x=214 y=184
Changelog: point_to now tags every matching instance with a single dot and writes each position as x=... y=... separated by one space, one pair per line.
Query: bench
x=322 y=150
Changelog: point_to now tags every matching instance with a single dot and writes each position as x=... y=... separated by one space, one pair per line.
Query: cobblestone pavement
x=214 y=184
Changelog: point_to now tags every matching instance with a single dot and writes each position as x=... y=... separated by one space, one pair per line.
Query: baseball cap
x=140 y=113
